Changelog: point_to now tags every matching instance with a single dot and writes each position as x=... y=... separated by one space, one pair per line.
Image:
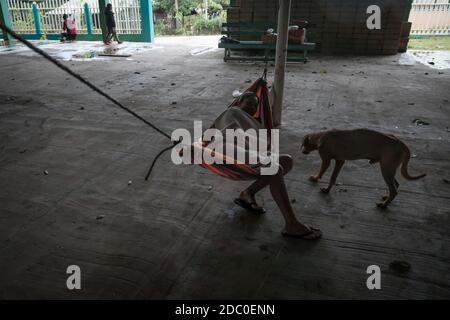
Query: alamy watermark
x=236 y=146
x=374 y=20
x=74 y=280
x=374 y=280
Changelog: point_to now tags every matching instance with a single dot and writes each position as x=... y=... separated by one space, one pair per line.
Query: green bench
x=256 y=30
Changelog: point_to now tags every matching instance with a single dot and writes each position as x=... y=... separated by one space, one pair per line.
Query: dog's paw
x=313 y=179
x=384 y=198
x=325 y=190
x=381 y=205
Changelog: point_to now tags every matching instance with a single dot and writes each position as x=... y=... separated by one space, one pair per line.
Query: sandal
x=312 y=234
x=252 y=207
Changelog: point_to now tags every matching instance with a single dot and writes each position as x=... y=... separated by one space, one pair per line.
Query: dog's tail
x=404 y=170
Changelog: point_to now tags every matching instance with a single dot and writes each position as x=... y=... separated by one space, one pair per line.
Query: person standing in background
x=111 y=25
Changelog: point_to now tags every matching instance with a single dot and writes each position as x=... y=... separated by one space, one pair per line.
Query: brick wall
x=338 y=26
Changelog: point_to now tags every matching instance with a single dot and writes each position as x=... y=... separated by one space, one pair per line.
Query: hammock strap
x=266 y=62
x=157 y=157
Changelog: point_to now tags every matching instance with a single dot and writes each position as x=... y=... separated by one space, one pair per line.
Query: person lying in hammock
x=241 y=117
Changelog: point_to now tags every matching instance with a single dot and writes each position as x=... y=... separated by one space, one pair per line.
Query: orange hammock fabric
x=242 y=171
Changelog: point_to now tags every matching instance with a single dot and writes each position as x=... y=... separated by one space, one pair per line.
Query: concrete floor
x=179 y=235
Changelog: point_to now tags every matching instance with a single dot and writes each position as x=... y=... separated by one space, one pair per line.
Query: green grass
x=430 y=43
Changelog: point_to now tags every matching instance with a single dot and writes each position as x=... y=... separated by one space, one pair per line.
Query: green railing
x=43 y=19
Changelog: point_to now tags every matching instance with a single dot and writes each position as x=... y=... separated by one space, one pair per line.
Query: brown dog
x=342 y=145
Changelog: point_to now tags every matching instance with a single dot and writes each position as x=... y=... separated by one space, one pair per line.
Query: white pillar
x=280 y=59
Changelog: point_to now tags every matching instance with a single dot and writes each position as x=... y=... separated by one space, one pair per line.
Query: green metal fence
x=43 y=19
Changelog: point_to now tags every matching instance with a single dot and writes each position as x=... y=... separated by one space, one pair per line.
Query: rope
x=157 y=157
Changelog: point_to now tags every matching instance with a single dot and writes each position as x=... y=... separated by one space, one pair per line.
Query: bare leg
x=293 y=227
x=108 y=37
x=323 y=168
x=116 y=37
x=337 y=168
x=248 y=194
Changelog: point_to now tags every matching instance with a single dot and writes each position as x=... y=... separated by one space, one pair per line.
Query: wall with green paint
x=5 y=18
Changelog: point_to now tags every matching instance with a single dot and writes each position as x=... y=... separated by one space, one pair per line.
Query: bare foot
x=301 y=231
x=249 y=198
x=313 y=178
x=325 y=190
x=382 y=205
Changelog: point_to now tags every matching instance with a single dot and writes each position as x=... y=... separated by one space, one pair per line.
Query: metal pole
x=280 y=59
x=87 y=14
x=102 y=7
x=148 y=32
x=37 y=21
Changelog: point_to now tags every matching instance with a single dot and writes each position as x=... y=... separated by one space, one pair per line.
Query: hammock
x=242 y=171
x=237 y=171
